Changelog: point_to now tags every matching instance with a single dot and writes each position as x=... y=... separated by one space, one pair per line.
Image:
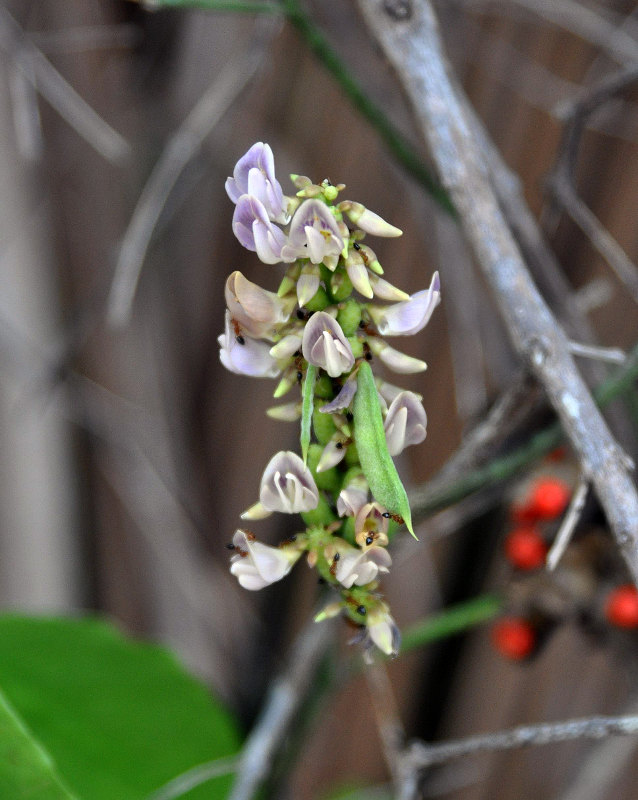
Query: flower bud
x=383 y=630
x=394 y=360
x=367 y=220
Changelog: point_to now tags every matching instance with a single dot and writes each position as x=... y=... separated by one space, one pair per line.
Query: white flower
x=333 y=453
x=353 y=496
x=255 y=309
x=254 y=174
x=287 y=485
x=255 y=231
x=409 y=316
x=256 y=565
x=359 y=567
x=245 y=356
x=405 y=422
x=314 y=234
x=371 y=525
x=325 y=345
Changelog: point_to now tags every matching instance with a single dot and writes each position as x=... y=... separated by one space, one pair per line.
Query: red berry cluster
x=621 y=607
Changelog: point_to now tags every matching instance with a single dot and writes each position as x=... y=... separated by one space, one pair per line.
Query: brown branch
x=411 y=41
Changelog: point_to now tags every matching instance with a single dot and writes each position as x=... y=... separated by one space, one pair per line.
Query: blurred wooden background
x=128 y=453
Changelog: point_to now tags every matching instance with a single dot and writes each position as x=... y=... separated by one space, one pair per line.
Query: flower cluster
x=320 y=330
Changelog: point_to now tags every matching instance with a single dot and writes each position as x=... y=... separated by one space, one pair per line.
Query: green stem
x=452 y=620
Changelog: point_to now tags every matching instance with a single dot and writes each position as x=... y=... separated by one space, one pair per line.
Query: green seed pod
x=349 y=317
x=318 y=301
x=307 y=406
x=322 y=515
x=323 y=426
x=323 y=387
x=340 y=285
x=356 y=345
x=377 y=464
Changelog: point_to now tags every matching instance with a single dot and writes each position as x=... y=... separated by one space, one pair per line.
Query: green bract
x=307 y=408
x=376 y=462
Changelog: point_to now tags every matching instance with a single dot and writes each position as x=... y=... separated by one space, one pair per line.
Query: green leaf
x=376 y=462
x=26 y=769
x=307 y=408
x=120 y=718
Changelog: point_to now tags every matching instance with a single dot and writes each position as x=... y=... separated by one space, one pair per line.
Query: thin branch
x=285 y=697
x=196 y=776
x=568 y=525
x=612 y=355
x=412 y=44
x=61 y=95
x=387 y=716
x=180 y=150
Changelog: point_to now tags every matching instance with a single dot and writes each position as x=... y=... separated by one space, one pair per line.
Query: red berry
x=513 y=637
x=523 y=514
x=621 y=608
x=549 y=498
x=525 y=548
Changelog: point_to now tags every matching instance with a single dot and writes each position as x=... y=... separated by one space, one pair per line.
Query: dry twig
x=408 y=33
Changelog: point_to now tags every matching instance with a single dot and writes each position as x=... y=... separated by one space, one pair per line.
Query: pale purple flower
x=359 y=567
x=314 y=234
x=409 y=316
x=344 y=398
x=256 y=565
x=395 y=360
x=325 y=345
x=254 y=174
x=405 y=423
x=367 y=220
x=255 y=231
x=255 y=309
x=245 y=356
x=287 y=485
x=382 y=629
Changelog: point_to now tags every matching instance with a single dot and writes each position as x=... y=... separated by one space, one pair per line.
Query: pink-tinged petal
x=287 y=485
x=353 y=496
x=307 y=283
x=245 y=356
x=255 y=309
x=409 y=316
x=325 y=345
x=343 y=399
x=333 y=453
x=405 y=423
x=368 y=221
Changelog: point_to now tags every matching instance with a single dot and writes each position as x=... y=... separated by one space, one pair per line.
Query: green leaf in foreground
x=120 y=718
x=307 y=407
x=26 y=770
x=376 y=462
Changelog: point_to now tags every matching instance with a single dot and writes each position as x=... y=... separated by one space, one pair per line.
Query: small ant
x=333 y=566
x=238 y=337
x=396 y=517
x=240 y=552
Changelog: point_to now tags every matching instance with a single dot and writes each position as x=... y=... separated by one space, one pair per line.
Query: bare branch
x=389 y=724
x=420 y=756
x=412 y=44
x=568 y=525
x=284 y=699
x=62 y=96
